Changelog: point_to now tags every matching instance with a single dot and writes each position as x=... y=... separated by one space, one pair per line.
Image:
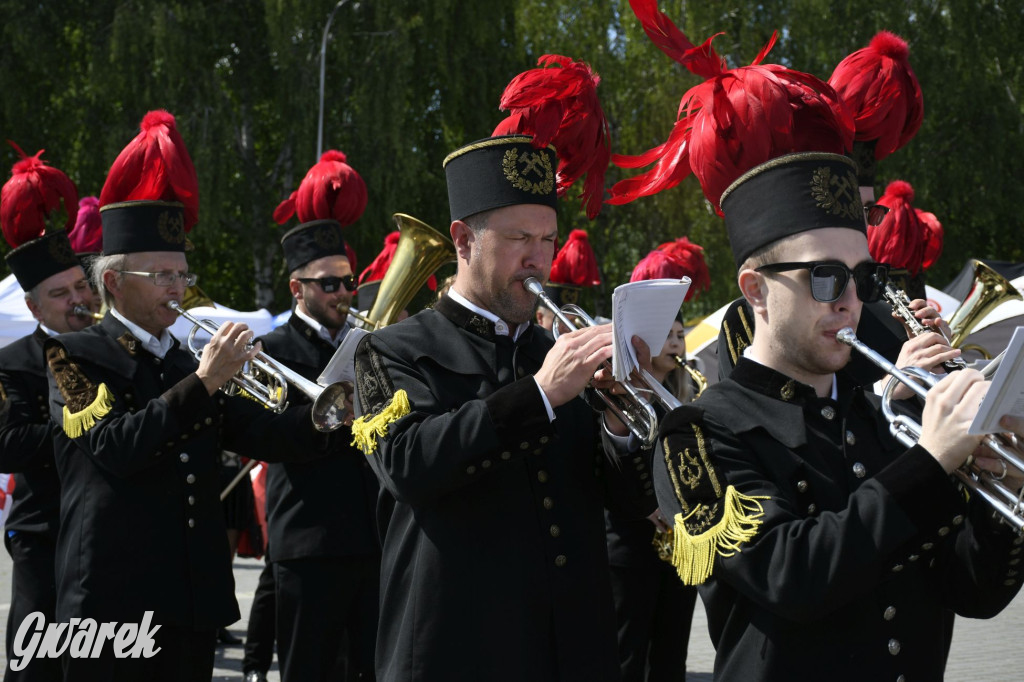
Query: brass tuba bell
x=988 y=291
x=420 y=251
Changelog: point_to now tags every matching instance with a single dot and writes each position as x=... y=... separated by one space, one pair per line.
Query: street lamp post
x=323 y=51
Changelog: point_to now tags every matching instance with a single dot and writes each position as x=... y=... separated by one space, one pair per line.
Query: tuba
x=989 y=290
x=421 y=250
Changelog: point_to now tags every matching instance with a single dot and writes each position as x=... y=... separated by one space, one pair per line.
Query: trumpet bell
x=329 y=411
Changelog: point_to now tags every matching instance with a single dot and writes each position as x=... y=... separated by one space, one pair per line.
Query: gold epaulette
x=368 y=428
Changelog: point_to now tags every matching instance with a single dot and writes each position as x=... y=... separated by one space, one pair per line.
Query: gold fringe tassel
x=78 y=423
x=694 y=555
x=365 y=431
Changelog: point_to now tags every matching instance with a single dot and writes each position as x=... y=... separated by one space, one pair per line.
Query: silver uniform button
x=850 y=438
x=890 y=613
x=183 y=457
x=524 y=445
x=801 y=486
x=894 y=646
x=506 y=455
x=191 y=478
x=859 y=470
x=897 y=568
x=958 y=519
x=913 y=557
x=544 y=440
x=828 y=412
x=560 y=560
x=944 y=531
x=811 y=508
x=555 y=530
x=927 y=546
x=191 y=499
x=191 y=523
x=471 y=469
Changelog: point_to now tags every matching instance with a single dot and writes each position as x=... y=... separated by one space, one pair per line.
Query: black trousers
x=33 y=588
x=323 y=603
x=185 y=656
x=654 y=610
x=259 y=639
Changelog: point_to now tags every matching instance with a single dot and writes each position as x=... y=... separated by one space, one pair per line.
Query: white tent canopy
x=16 y=321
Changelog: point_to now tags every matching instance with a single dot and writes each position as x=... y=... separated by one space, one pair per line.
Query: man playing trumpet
x=823 y=548
x=140 y=429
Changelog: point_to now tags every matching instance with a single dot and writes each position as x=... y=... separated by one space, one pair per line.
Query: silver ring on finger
x=1002 y=475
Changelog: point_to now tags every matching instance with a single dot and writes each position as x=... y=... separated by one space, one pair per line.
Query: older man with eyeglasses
x=139 y=432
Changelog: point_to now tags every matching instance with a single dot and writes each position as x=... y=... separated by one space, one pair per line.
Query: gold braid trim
x=78 y=423
x=694 y=555
x=728 y=341
x=365 y=431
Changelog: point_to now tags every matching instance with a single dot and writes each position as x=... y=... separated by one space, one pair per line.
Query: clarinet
x=900 y=302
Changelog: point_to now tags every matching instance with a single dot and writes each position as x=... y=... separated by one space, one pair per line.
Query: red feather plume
x=734 y=121
x=87 y=234
x=882 y=92
x=32 y=193
x=557 y=104
x=657 y=264
x=901 y=239
x=332 y=189
x=691 y=257
x=575 y=264
x=155 y=166
x=376 y=270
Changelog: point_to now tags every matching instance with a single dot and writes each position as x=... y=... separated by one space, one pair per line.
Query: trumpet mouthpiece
x=846 y=335
x=533 y=286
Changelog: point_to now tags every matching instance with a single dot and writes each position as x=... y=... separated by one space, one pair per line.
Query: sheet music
x=645 y=309
x=342 y=366
x=1006 y=394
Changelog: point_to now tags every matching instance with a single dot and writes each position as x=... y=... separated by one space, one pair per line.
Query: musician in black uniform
x=139 y=432
x=54 y=283
x=495 y=565
x=824 y=549
x=320 y=515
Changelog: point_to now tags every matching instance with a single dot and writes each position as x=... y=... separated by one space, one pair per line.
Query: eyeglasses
x=331 y=284
x=875 y=214
x=829 y=278
x=165 y=279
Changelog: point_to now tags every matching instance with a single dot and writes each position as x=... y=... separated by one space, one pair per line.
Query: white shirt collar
x=835 y=385
x=157 y=347
x=501 y=327
x=47 y=330
x=322 y=330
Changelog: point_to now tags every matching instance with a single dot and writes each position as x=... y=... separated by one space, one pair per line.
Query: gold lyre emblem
x=690 y=470
x=519 y=169
x=837 y=194
x=171 y=226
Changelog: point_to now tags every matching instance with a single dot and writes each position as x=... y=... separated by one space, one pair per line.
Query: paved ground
x=983 y=651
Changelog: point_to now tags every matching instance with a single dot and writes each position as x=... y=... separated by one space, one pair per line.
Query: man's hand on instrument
x=927 y=351
x=350 y=410
x=570 y=364
x=225 y=354
x=929 y=316
x=604 y=381
x=948 y=412
x=659 y=521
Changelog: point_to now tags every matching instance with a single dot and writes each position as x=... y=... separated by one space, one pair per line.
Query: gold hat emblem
x=171 y=226
x=837 y=194
x=533 y=164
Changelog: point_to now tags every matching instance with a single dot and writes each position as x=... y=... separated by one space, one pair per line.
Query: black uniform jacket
x=494 y=565
x=324 y=507
x=141 y=520
x=860 y=545
x=26 y=444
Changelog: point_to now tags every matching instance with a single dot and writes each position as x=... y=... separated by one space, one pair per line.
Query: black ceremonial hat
x=35 y=260
x=136 y=226
x=310 y=241
x=789 y=195
x=500 y=171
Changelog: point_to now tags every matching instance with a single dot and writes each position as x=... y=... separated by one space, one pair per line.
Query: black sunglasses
x=875 y=214
x=829 y=278
x=331 y=284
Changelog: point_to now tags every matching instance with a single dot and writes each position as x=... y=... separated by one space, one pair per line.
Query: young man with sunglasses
x=322 y=545
x=823 y=548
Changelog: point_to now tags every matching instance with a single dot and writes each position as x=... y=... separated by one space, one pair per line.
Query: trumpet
x=900 y=303
x=83 y=311
x=272 y=389
x=1002 y=499
x=632 y=409
x=365 y=322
